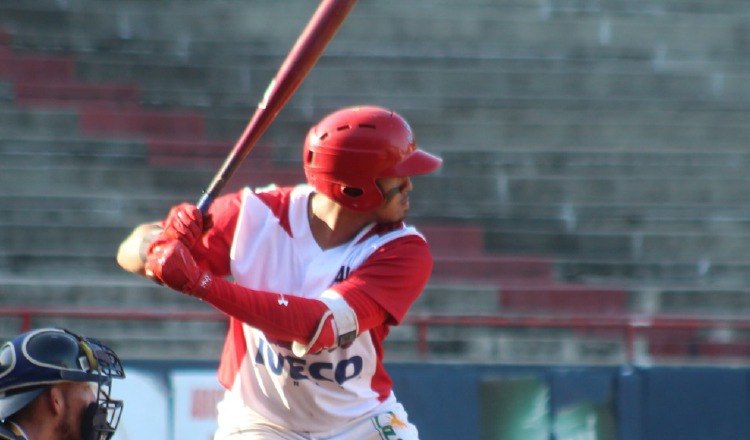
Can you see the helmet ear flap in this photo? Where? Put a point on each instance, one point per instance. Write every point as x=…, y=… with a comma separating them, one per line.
x=351, y=191
x=360, y=199
x=350, y=196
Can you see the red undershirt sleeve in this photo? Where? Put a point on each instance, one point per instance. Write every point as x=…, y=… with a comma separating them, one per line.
x=281, y=317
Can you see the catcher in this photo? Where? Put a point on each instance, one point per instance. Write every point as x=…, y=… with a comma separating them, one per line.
x=55, y=384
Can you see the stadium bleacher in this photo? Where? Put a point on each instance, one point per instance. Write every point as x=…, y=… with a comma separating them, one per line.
x=595, y=154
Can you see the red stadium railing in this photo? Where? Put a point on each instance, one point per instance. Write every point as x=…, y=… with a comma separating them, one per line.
x=630, y=327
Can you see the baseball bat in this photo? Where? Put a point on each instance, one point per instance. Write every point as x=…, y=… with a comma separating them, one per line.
x=318, y=32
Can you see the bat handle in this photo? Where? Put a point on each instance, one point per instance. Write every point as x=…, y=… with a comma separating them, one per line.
x=205, y=202
x=217, y=184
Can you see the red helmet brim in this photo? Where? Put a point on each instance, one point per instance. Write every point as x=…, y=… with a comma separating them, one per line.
x=417, y=163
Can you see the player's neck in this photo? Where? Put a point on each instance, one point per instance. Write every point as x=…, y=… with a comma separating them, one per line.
x=331, y=224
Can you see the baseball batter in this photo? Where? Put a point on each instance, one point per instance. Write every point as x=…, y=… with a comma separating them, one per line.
x=319, y=274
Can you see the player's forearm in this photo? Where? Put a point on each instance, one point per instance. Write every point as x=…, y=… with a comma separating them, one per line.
x=287, y=318
x=130, y=254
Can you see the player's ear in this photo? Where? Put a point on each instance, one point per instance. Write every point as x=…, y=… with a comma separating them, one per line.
x=55, y=399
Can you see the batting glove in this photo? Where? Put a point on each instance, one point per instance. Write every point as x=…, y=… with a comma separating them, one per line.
x=169, y=262
x=187, y=224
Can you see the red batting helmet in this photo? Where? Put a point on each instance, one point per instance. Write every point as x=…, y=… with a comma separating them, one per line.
x=347, y=151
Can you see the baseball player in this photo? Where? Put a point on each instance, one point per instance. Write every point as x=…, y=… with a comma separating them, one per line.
x=320, y=273
x=55, y=385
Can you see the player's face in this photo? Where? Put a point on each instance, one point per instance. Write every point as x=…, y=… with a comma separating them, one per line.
x=395, y=199
x=77, y=397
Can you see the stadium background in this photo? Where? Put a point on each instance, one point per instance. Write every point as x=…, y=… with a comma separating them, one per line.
x=590, y=225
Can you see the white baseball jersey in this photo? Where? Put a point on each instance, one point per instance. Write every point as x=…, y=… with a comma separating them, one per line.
x=272, y=249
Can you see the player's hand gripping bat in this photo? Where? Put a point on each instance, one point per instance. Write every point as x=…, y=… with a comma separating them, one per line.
x=304, y=54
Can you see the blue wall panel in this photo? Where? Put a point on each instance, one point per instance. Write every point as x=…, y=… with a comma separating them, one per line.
x=659, y=403
x=696, y=404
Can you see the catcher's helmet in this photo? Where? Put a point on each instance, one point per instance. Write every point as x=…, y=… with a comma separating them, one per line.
x=348, y=150
x=33, y=361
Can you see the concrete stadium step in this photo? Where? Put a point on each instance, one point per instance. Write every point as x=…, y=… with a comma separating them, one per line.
x=511, y=349
x=97, y=241
x=649, y=6
x=104, y=121
x=705, y=301
x=560, y=128
x=544, y=127
x=705, y=86
x=571, y=345
x=103, y=180
x=681, y=190
x=215, y=79
x=558, y=346
x=77, y=146
x=457, y=298
x=599, y=162
x=567, y=345
x=528, y=298
x=38, y=68
x=454, y=239
x=569, y=218
x=491, y=268
x=44, y=122
x=466, y=130
x=696, y=270
x=239, y=79
x=539, y=27
x=601, y=82
x=585, y=232
x=29, y=264
x=117, y=291
x=75, y=94
x=459, y=253
x=574, y=199
x=56, y=239
x=172, y=182
x=82, y=210
x=97, y=120
x=555, y=298
x=584, y=128
x=622, y=244
x=635, y=229
x=23, y=151
x=7, y=93
x=149, y=339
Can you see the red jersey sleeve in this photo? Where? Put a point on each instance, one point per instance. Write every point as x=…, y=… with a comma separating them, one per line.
x=212, y=252
x=393, y=276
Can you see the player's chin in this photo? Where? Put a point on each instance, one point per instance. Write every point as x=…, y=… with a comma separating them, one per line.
x=402, y=215
x=392, y=216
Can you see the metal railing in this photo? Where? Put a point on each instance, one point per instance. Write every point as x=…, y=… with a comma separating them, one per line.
x=629, y=327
